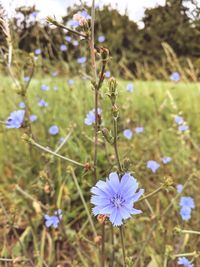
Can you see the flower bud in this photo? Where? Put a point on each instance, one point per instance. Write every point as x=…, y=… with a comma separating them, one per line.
x=112, y=85
x=104, y=53
x=107, y=135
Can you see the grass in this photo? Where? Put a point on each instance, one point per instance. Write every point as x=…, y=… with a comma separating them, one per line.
x=32, y=183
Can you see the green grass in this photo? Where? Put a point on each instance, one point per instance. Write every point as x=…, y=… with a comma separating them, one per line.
x=152, y=105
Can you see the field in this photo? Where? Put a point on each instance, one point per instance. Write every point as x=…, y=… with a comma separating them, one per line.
x=34, y=183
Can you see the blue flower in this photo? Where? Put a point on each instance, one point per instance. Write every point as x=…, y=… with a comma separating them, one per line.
x=187, y=202
x=185, y=213
x=53, y=220
x=130, y=87
x=26, y=78
x=15, y=119
x=85, y=14
x=63, y=47
x=81, y=60
x=70, y=82
x=38, y=51
x=42, y=103
x=107, y=74
x=139, y=130
x=179, y=120
x=101, y=39
x=33, y=118
x=22, y=105
x=68, y=38
x=73, y=23
x=175, y=76
x=44, y=87
x=90, y=117
x=185, y=262
x=54, y=130
x=61, y=140
x=75, y=43
x=153, y=165
x=179, y=188
x=128, y=134
x=115, y=198
x=166, y=160
x=183, y=128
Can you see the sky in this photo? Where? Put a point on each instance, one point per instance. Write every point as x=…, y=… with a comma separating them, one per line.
x=135, y=8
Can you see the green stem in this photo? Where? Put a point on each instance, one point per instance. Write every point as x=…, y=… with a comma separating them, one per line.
x=115, y=144
x=152, y=193
x=113, y=248
x=103, y=246
x=122, y=244
x=190, y=232
x=184, y=254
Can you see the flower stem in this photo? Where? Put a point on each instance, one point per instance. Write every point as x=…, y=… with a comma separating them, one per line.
x=115, y=144
x=122, y=244
x=113, y=248
x=152, y=193
x=190, y=232
x=103, y=246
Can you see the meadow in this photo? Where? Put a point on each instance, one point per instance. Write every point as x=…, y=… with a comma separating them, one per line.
x=34, y=183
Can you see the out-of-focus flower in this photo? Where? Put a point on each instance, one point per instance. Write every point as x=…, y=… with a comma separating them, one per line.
x=101, y=39
x=55, y=88
x=175, y=76
x=90, y=117
x=130, y=87
x=63, y=47
x=128, y=134
x=38, y=51
x=107, y=74
x=81, y=60
x=179, y=188
x=81, y=17
x=179, y=120
x=26, y=78
x=115, y=198
x=187, y=202
x=166, y=160
x=54, y=130
x=33, y=118
x=22, y=105
x=139, y=130
x=183, y=128
x=54, y=74
x=75, y=43
x=42, y=103
x=15, y=119
x=68, y=38
x=185, y=262
x=185, y=213
x=153, y=165
x=70, y=82
x=44, y=87
x=53, y=220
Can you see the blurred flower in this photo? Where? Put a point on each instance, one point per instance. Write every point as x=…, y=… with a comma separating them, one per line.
x=33, y=118
x=70, y=82
x=61, y=140
x=54, y=74
x=187, y=202
x=90, y=117
x=179, y=188
x=68, y=38
x=38, y=51
x=34, y=14
x=22, y=105
x=139, y=130
x=166, y=160
x=107, y=74
x=115, y=198
x=183, y=128
x=130, y=87
x=42, y=103
x=63, y=47
x=153, y=165
x=128, y=134
x=75, y=43
x=53, y=220
x=81, y=60
x=175, y=76
x=185, y=262
x=44, y=87
x=101, y=39
x=15, y=119
x=73, y=23
x=81, y=17
x=54, y=130
x=179, y=120
x=26, y=78
x=185, y=213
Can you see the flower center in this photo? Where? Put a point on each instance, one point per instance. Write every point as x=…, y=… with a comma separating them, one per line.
x=117, y=201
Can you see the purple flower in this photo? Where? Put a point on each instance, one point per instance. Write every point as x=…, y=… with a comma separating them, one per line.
x=107, y=74
x=22, y=105
x=130, y=87
x=139, y=130
x=128, y=134
x=75, y=43
x=84, y=14
x=54, y=130
x=185, y=213
x=68, y=38
x=153, y=165
x=63, y=47
x=115, y=198
x=179, y=120
x=26, y=78
x=33, y=118
x=53, y=220
x=166, y=160
x=73, y=23
x=42, y=103
x=38, y=51
x=187, y=202
x=101, y=39
x=183, y=128
x=175, y=76
x=81, y=60
x=70, y=82
x=15, y=119
x=179, y=188
x=44, y=87
x=185, y=262
x=34, y=14
x=90, y=117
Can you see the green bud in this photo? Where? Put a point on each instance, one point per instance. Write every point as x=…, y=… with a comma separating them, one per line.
x=126, y=164
x=112, y=85
x=107, y=135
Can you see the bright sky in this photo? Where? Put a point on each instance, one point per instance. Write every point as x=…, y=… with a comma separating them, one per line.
x=135, y=8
